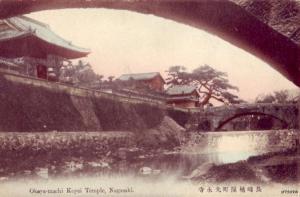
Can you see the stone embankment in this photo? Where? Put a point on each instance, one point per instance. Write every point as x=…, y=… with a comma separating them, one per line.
x=280, y=167
x=274, y=156
x=34, y=105
x=73, y=153
x=51, y=125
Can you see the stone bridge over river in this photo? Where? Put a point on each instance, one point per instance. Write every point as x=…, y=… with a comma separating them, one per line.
x=284, y=116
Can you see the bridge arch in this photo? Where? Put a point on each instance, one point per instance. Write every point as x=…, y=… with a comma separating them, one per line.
x=222, y=18
x=221, y=124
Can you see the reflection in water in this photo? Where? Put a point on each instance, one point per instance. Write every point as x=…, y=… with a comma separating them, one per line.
x=234, y=148
x=236, y=143
x=215, y=148
x=229, y=157
x=207, y=149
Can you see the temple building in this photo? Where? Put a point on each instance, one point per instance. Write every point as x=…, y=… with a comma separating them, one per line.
x=185, y=96
x=153, y=81
x=30, y=47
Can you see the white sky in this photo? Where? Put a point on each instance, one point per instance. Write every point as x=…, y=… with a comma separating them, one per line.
x=123, y=41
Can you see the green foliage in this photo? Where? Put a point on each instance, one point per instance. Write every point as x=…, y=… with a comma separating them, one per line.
x=210, y=83
x=282, y=96
x=80, y=74
x=176, y=75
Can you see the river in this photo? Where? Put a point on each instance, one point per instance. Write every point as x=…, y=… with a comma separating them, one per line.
x=220, y=148
x=156, y=172
x=213, y=148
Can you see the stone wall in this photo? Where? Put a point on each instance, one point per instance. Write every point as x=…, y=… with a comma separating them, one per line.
x=33, y=105
x=27, y=108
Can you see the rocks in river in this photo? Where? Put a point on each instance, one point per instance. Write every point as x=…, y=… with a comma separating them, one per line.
x=133, y=150
x=148, y=171
x=142, y=157
x=156, y=172
x=262, y=174
x=73, y=166
x=239, y=171
x=42, y=172
x=147, y=155
x=145, y=171
x=122, y=153
x=127, y=153
x=27, y=172
x=200, y=171
x=100, y=164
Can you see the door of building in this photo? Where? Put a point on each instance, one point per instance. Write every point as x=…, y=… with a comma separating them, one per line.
x=41, y=71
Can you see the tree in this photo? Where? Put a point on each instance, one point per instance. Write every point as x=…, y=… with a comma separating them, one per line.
x=81, y=74
x=210, y=83
x=282, y=96
x=269, y=98
x=110, y=78
x=176, y=75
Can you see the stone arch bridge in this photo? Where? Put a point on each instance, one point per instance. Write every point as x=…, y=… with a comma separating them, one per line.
x=268, y=29
x=215, y=118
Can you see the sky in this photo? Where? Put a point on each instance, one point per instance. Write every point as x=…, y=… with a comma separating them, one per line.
x=128, y=42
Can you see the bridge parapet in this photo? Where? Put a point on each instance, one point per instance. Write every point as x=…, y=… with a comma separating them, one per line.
x=214, y=118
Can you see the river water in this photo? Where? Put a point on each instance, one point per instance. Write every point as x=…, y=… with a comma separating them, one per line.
x=212, y=148
x=156, y=173
x=221, y=148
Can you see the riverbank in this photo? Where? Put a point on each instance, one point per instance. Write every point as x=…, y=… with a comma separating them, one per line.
x=84, y=153
x=279, y=167
x=152, y=154
x=248, y=156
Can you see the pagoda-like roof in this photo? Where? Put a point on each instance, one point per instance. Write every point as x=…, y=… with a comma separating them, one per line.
x=23, y=36
x=140, y=76
x=180, y=90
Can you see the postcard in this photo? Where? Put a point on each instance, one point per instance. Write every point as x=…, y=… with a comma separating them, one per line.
x=149, y=98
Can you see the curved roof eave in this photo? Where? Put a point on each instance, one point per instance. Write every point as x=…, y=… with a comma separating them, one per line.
x=81, y=52
x=31, y=27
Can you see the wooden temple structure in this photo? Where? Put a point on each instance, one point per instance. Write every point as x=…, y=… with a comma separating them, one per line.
x=30, y=47
x=153, y=80
x=185, y=96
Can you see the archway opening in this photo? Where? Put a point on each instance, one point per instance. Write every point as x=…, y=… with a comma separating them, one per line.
x=252, y=121
x=223, y=18
x=146, y=43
